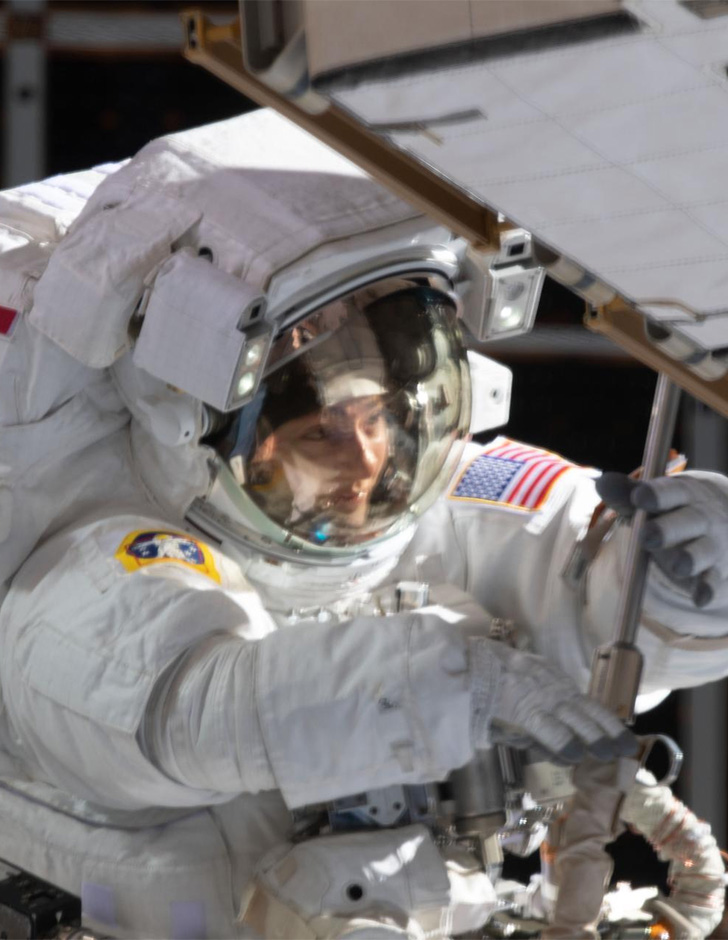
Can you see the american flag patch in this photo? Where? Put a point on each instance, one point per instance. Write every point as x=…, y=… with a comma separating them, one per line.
x=510, y=474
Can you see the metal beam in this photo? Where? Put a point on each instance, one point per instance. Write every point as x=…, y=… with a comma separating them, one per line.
x=220, y=52
x=625, y=325
x=24, y=93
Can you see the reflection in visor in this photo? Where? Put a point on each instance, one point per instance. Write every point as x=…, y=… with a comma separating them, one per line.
x=357, y=415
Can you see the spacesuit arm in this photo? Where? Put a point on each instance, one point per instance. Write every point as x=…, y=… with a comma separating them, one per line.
x=318, y=711
x=134, y=690
x=144, y=684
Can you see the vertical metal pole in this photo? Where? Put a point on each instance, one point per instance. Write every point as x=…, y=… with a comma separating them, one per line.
x=654, y=461
x=24, y=137
x=617, y=669
x=703, y=711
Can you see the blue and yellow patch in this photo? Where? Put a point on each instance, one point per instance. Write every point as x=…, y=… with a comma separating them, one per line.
x=143, y=547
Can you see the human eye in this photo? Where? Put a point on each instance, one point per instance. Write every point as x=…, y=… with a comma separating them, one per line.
x=319, y=433
x=376, y=418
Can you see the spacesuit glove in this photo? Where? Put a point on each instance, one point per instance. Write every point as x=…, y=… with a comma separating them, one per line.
x=520, y=699
x=687, y=532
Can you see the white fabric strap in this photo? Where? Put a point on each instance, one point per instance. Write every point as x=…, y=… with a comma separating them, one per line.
x=684, y=641
x=486, y=675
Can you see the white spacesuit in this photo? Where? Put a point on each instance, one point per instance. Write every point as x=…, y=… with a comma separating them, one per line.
x=234, y=415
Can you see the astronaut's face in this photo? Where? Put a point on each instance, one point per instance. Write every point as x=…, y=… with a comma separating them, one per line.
x=358, y=422
x=330, y=460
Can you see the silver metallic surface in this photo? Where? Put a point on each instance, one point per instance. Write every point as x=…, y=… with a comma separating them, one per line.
x=479, y=795
x=657, y=448
x=616, y=669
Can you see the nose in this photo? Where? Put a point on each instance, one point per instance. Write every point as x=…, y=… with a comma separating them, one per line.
x=359, y=454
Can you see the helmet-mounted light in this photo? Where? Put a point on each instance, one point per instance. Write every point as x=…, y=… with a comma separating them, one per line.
x=203, y=331
x=504, y=290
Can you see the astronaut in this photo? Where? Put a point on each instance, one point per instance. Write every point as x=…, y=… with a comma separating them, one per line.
x=238, y=426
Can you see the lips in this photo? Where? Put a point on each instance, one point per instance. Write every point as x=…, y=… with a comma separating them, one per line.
x=346, y=499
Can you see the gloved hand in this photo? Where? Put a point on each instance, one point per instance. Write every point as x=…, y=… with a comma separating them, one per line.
x=687, y=534
x=522, y=700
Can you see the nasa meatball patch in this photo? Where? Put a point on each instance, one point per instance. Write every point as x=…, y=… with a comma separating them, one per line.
x=510, y=475
x=142, y=548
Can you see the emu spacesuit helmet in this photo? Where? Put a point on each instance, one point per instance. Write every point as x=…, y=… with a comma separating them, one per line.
x=357, y=424
x=282, y=330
